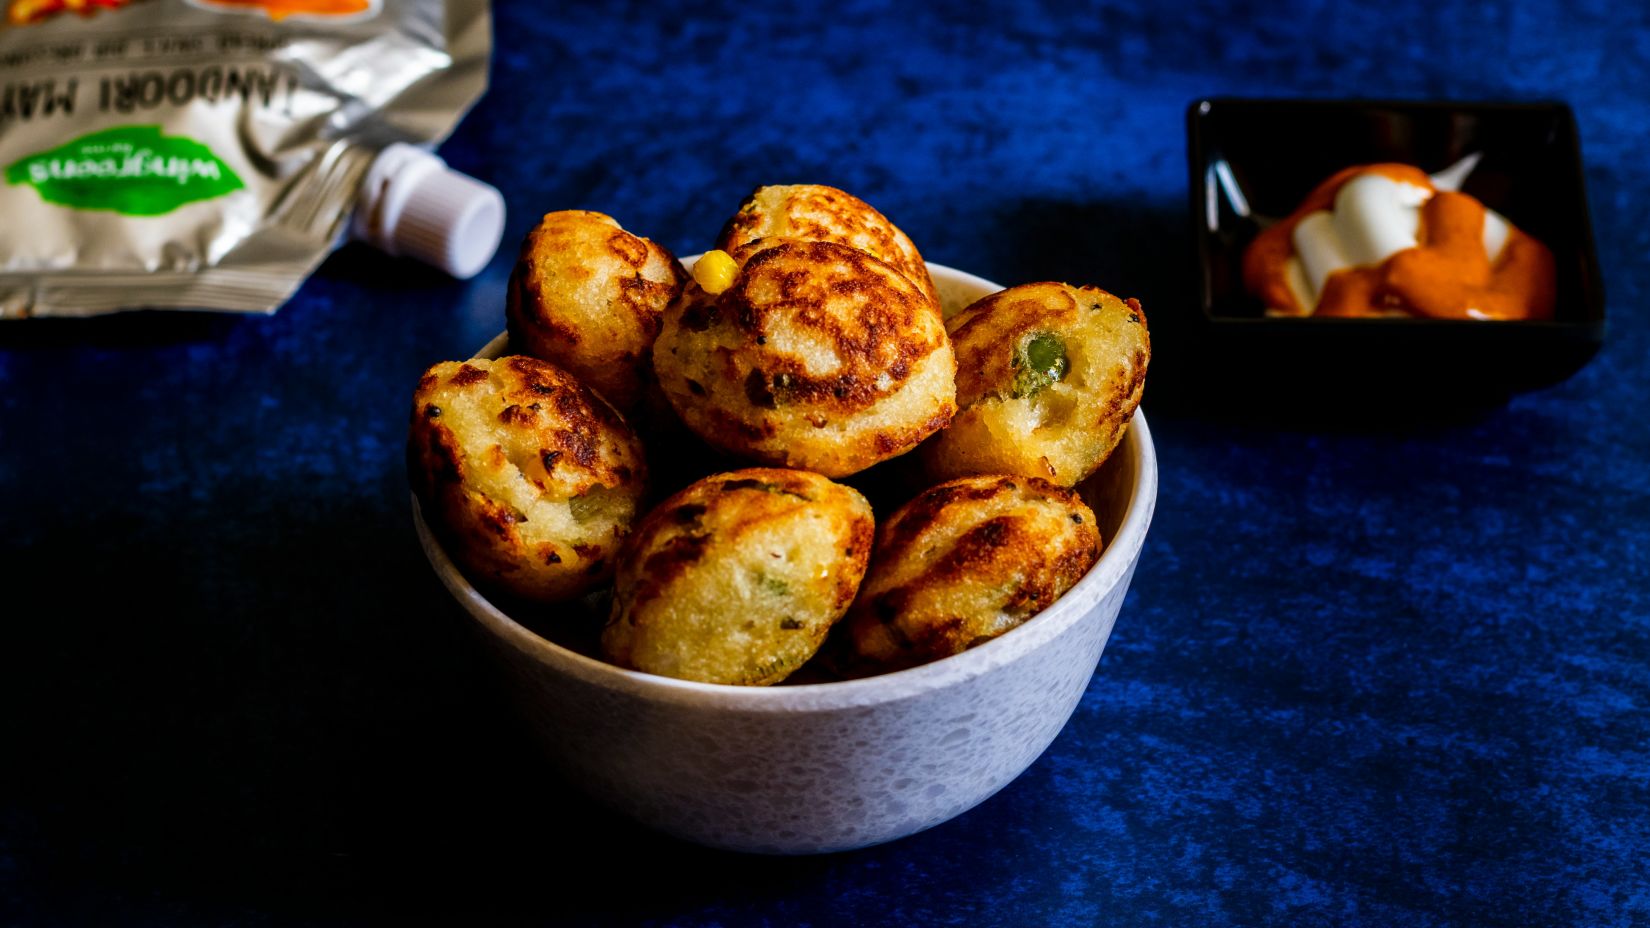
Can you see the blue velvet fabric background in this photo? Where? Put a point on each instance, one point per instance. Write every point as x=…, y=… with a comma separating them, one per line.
x=1365, y=676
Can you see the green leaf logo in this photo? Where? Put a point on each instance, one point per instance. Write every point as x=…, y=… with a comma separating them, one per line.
x=129, y=169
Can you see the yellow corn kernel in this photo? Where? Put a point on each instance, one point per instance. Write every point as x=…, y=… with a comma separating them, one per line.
x=715, y=271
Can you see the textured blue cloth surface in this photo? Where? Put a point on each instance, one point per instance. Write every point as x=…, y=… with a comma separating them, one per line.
x=1377, y=676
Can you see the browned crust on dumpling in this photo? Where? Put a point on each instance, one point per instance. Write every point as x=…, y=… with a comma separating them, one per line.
x=1065, y=432
x=814, y=212
x=738, y=577
x=588, y=296
x=967, y=561
x=529, y=478
x=819, y=356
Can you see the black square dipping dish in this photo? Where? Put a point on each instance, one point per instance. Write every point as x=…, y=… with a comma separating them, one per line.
x=1255, y=161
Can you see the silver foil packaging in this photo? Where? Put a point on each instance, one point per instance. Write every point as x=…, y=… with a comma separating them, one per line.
x=210, y=153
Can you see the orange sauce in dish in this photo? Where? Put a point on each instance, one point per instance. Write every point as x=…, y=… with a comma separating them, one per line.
x=1447, y=275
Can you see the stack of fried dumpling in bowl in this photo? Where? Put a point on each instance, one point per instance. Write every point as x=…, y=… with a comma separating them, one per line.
x=694, y=451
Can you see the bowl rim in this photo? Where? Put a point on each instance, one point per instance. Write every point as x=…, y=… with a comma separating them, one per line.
x=1112, y=568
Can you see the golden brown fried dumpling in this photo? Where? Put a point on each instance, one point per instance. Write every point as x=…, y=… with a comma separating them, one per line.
x=816, y=213
x=965, y=562
x=588, y=296
x=1048, y=376
x=737, y=578
x=817, y=356
x=530, y=479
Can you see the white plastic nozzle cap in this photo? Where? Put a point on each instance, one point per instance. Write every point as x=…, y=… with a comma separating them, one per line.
x=413, y=205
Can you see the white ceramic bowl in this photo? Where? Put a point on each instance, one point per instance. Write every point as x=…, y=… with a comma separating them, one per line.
x=830, y=766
